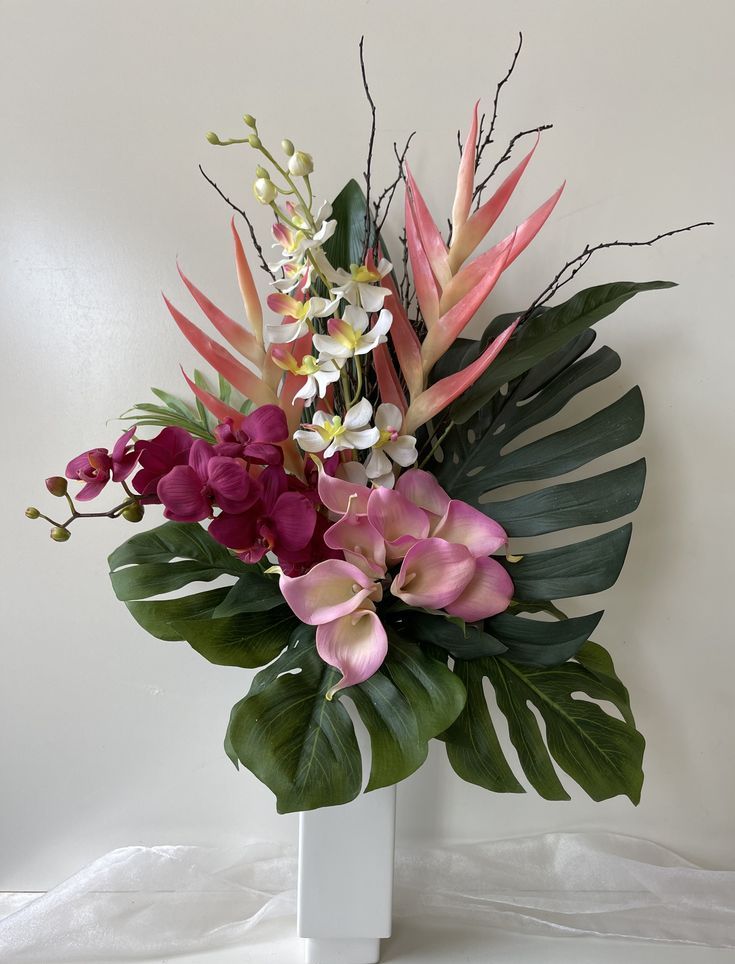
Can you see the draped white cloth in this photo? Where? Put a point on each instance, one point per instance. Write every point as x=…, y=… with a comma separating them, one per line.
x=146, y=902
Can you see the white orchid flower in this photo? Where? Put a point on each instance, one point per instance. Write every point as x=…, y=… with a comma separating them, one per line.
x=358, y=285
x=294, y=274
x=295, y=242
x=331, y=434
x=350, y=335
x=391, y=445
x=301, y=311
x=318, y=372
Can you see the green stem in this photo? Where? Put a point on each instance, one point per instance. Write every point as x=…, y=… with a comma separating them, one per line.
x=438, y=442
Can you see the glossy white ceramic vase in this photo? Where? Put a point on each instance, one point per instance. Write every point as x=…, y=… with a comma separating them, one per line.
x=346, y=879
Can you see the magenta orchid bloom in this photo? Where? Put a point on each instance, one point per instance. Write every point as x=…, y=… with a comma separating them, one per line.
x=157, y=456
x=279, y=520
x=97, y=466
x=189, y=492
x=256, y=438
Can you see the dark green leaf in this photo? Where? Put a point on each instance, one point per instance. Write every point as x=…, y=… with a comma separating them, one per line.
x=291, y=737
x=156, y=617
x=247, y=640
x=452, y=635
x=598, y=661
x=253, y=592
x=574, y=570
x=175, y=540
x=600, y=752
x=347, y=244
x=410, y=700
x=544, y=642
x=598, y=499
x=546, y=333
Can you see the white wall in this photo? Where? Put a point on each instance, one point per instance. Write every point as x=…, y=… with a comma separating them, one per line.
x=110, y=737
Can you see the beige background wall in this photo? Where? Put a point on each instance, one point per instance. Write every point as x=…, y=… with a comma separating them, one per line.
x=111, y=738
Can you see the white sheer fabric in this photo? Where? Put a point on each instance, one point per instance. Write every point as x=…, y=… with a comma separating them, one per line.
x=147, y=902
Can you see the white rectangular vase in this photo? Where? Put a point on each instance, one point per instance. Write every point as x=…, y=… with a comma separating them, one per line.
x=346, y=879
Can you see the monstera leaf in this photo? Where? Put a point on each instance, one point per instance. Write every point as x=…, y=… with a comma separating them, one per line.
x=600, y=751
x=246, y=624
x=303, y=746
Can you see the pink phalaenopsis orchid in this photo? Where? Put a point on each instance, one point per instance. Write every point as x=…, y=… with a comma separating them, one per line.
x=97, y=467
x=190, y=492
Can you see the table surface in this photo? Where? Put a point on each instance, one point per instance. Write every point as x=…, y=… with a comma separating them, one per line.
x=423, y=942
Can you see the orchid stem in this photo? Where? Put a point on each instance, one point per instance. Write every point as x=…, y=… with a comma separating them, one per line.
x=438, y=442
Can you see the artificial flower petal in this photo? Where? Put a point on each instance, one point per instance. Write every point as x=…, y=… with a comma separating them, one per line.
x=356, y=645
x=331, y=589
x=469, y=527
x=488, y=593
x=433, y=573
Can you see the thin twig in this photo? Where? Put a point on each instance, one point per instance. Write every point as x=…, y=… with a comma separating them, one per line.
x=253, y=236
x=379, y=213
x=481, y=185
x=371, y=142
x=487, y=139
x=576, y=264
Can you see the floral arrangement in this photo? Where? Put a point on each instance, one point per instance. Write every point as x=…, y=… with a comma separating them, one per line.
x=342, y=473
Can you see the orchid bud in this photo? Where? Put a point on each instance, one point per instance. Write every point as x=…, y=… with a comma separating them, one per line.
x=265, y=190
x=255, y=141
x=213, y=138
x=133, y=513
x=56, y=485
x=32, y=512
x=249, y=120
x=287, y=147
x=261, y=172
x=60, y=534
x=301, y=164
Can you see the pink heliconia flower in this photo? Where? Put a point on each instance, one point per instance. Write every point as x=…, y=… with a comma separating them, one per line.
x=255, y=439
x=157, y=456
x=488, y=593
x=433, y=574
x=190, y=491
x=97, y=466
x=278, y=520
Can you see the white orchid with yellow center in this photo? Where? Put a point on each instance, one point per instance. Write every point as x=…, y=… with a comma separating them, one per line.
x=318, y=372
x=331, y=433
x=359, y=285
x=349, y=336
x=302, y=234
x=301, y=311
x=390, y=447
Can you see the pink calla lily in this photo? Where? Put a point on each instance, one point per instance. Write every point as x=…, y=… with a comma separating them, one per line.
x=360, y=543
x=331, y=589
x=423, y=490
x=356, y=644
x=340, y=496
x=433, y=574
x=488, y=593
x=399, y=522
x=463, y=524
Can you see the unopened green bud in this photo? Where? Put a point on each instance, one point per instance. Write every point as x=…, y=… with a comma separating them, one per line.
x=60, y=534
x=287, y=147
x=56, y=485
x=261, y=172
x=32, y=512
x=133, y=513
x=301, y=164
x=255, y=141
x=212, y=138
x=265, y=190
x=249, y=120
